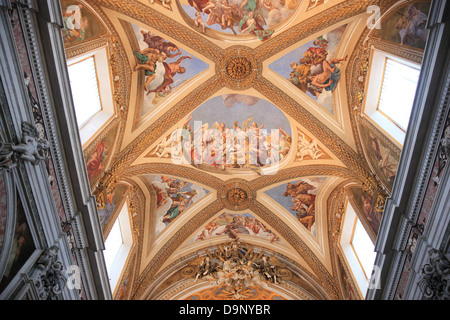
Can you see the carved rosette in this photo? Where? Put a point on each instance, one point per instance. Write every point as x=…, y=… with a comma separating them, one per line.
x=238, y=68
x=236, y=195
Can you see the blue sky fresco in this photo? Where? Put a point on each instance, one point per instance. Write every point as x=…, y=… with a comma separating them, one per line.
x=193, y=67
x=231, y=108
x=276, y=194
x=282, y=65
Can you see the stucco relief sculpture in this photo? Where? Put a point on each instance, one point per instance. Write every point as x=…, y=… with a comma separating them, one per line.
x=48, y=275
x=435, y=278
x=31, y=147
x=236, y=266
x=307, y=148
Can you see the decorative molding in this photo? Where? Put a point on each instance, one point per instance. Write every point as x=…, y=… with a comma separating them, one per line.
x=417, y=163
x=395, y=49
x=238, y=68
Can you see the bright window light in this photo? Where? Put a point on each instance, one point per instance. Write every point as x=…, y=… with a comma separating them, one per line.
x=364, y=248
x=85, y=92
x=398, y=92
x=113, y=244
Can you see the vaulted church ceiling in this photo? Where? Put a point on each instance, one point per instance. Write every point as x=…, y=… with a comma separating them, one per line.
x=237, y=122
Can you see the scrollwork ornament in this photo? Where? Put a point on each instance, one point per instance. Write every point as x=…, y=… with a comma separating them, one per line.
x=435, y=277
x=48, y=275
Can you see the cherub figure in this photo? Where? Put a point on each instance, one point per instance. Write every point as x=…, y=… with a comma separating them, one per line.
x=199, y=21
x=32, y=147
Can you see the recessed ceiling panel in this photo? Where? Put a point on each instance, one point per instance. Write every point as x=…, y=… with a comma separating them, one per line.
x=173, y=198
x=229, y=134
x=80, y=24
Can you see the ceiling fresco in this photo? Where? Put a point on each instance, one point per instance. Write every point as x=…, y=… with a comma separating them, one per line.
x=161, y=65
x=235, y=226
x=314, y=68
x=238, y=125
x=258, y=18
x=173, y=197
x=299, y=198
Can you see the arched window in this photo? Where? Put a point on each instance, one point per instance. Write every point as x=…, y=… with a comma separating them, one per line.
x=390, y=93
x=91, y=86
x=358, y=249
x=117, y=246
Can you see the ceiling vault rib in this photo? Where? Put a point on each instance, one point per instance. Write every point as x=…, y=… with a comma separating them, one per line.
x=174, y=170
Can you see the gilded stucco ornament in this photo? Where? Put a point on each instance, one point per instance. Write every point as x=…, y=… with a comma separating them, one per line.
x=106, y=184
x=236, y=194
x=238, y=67
x=236, y=266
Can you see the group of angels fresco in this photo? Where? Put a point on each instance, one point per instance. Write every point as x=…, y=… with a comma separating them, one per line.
x=240, y=16
x=235, y=225
x=230, y=132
